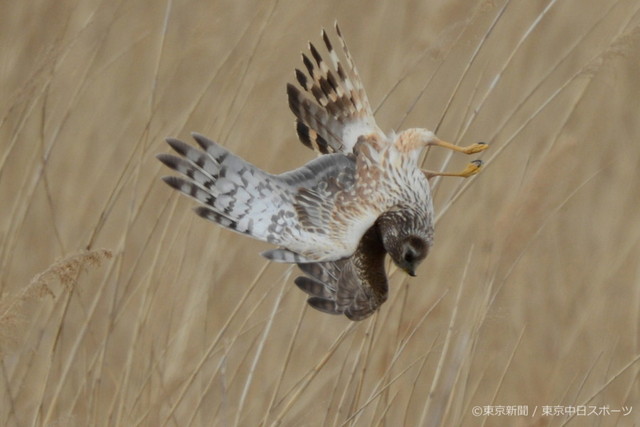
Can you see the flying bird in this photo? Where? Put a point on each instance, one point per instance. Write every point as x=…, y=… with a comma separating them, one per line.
x=317, y=212
x=341, y=114
x=333, y=214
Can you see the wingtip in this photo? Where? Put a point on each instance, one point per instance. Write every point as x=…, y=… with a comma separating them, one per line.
x=315, y=53
x=167, y=160
x=294, y=99
x=307, y=285
x=179, y=146
x=202, y=211
x=303, y=134
x=173, y=181
x=337, y=27
x=302, y=79
x=356, y=317
x=307, y=63
x=202, y=140
x=327, y=42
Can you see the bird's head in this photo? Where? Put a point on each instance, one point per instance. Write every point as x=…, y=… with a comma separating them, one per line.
x=407, y=237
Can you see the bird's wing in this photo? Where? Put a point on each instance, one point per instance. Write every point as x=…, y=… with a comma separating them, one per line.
x=340, y=290
x=354, y=286
x=333, y=169
x=274, y=208
x=341, y=112
x=323, y=194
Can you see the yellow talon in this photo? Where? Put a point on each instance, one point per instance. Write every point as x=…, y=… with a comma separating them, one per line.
x=476, y=148
x=470, y=149
x=471, y=169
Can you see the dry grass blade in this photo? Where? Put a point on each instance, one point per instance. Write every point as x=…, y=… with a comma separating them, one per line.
x=285, y=364
x=363, y=361
x=64, y=272
x=507, y=366
x=400, y=351
x=261, y=344
x=617, y=375
x=187, y=326
x=383, y=388
x=214, y=344
x=71, y=270
x=442, y=380
x=309, y=376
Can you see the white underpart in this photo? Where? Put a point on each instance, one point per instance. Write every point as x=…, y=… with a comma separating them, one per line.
x=353, y=131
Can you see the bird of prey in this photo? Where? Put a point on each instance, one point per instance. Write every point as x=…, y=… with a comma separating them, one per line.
x=348, y=200
x=341, y=114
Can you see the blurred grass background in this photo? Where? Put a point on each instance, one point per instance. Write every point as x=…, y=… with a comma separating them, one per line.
x=530, y=297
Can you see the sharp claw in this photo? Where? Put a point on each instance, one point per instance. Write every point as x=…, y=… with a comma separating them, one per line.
x=472, y=168
x=476, y=148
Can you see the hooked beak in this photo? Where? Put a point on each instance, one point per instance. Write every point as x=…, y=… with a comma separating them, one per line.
x=410, y=271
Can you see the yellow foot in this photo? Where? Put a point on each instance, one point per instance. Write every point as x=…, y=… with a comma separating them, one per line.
x=469, y=149
x=471, y=169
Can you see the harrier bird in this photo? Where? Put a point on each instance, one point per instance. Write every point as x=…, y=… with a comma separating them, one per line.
x=341, y=114
x=365, y=194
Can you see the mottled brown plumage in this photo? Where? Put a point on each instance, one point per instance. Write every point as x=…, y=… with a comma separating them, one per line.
x=341, y=120
x=367, y=182
x=354, y=286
